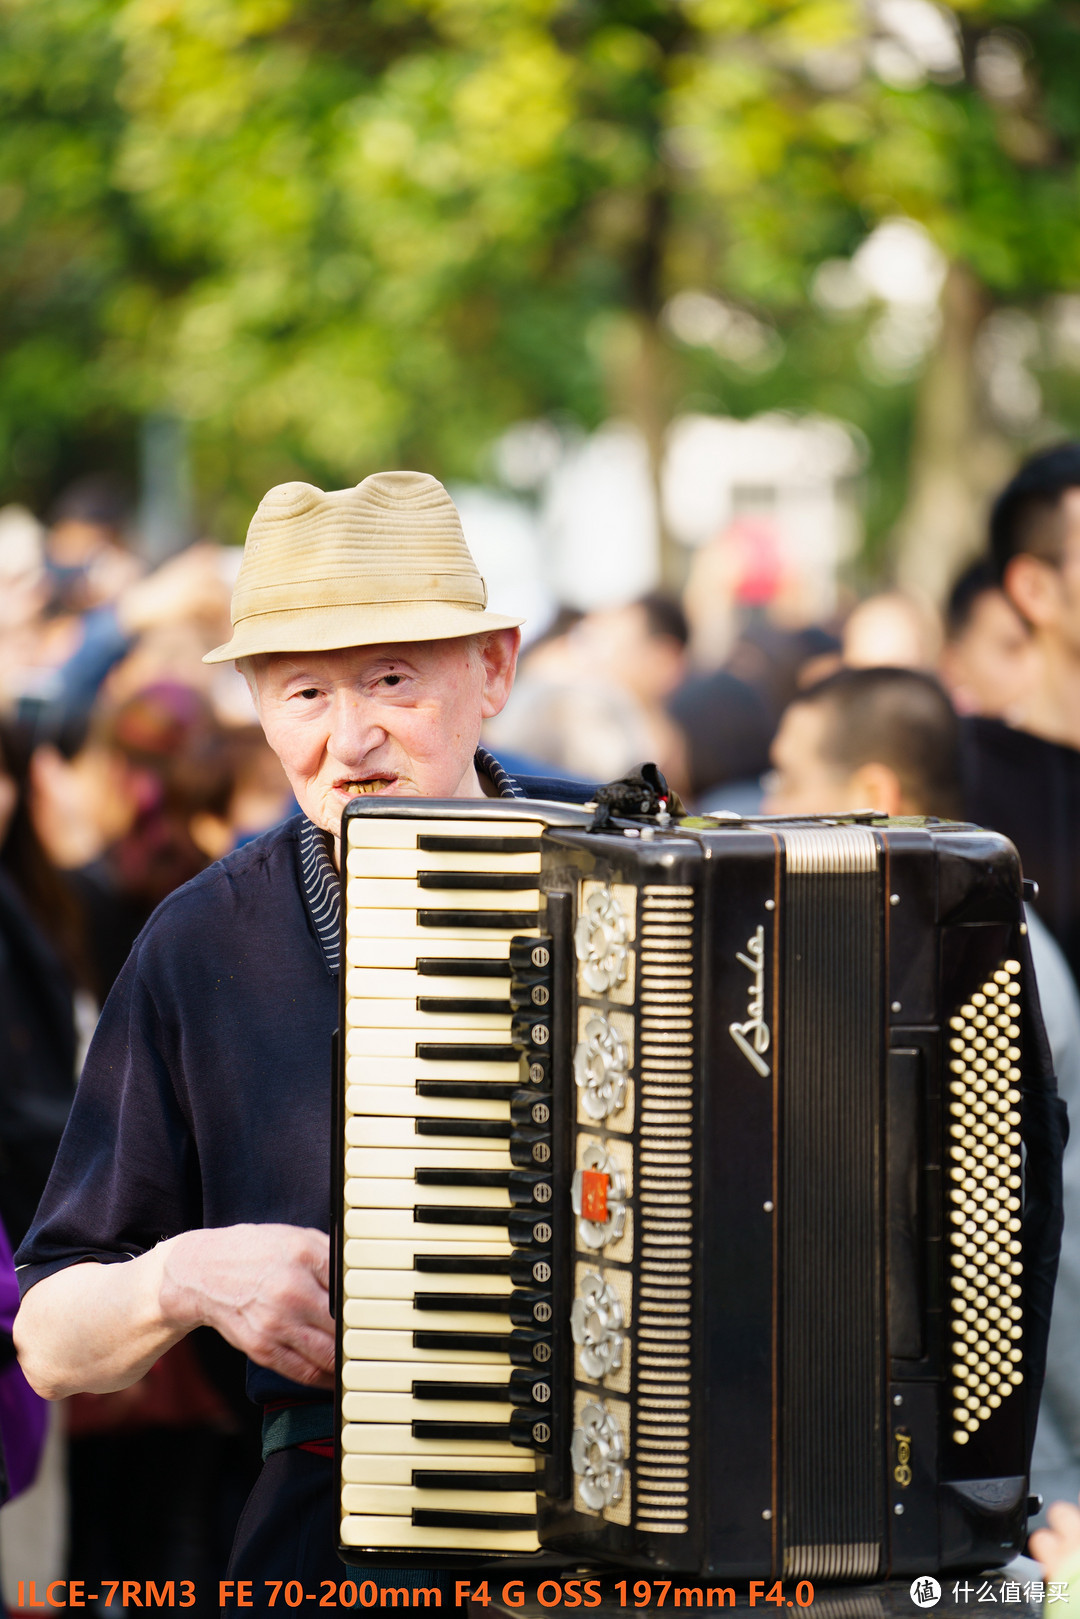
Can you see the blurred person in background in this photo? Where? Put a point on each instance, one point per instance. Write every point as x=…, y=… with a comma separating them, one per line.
x=750, y=650
x=641, y=649
x=43, y=964
x=45, y=1013
x=259, y=795
x=894, y=630
x=590, y=700
x=1023, y=777
x=882, y=739
x=157, y=628
x=734, y=581
x=150, y=767
x=86, y=561
x=727, y=718
x=889, y=740
x=989, y=663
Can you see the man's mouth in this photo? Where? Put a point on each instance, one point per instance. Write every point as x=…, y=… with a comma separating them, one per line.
x=373, y=784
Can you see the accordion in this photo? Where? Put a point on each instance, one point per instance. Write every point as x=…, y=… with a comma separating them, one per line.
x=680, y=1197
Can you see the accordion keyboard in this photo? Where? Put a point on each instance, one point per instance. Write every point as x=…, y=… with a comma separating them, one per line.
x=444, y=1259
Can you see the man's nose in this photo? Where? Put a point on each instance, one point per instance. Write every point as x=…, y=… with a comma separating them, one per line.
x=354, y=728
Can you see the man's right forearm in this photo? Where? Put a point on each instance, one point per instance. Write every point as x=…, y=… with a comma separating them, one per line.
x=93, y=1328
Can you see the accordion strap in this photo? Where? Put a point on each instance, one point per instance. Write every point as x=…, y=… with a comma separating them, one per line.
x=1046, y=1131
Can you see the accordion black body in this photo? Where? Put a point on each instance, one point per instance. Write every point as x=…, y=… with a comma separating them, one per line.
x=680, y=1210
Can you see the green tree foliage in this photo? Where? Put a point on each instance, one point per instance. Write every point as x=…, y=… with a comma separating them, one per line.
x=334, y=236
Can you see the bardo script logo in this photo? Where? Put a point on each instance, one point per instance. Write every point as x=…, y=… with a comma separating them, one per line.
x=752, y=1037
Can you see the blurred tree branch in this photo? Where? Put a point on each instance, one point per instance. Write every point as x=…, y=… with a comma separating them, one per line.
x=334, y=237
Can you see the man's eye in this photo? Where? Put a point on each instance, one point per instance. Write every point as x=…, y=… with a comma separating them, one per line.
x=392, y=680
x=309, y=692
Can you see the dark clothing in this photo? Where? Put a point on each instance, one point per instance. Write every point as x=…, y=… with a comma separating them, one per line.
x=205, y=1102
x=289, y=1531
x=206, y=1095
x=1029, y=789
x=37, y=1059
x=206, y=1098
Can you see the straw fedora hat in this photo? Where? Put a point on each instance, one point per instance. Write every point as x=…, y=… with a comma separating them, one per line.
x=384, y=561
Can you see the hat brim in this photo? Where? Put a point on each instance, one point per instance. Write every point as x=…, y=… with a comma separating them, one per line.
x=330, y=629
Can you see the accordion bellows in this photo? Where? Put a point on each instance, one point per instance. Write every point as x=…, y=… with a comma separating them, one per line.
x=680, y=1193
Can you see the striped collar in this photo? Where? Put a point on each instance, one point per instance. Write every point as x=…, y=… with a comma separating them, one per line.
x=322, y=890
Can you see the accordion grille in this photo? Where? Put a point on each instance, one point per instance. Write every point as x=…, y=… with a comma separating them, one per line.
x=831, y=1441
x=665, y=1211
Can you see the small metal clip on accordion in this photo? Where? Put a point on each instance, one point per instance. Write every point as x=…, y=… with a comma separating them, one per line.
x=678, y=1205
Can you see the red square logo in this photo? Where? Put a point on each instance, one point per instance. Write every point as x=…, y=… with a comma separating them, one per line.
x=594, y=1190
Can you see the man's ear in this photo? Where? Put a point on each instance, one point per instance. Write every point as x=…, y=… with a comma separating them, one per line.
x=498, y=652
x=246, y=667
x=876, y=786
x=1034, y=588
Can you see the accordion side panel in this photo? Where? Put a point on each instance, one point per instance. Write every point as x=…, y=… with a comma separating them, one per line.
x=830, y=1216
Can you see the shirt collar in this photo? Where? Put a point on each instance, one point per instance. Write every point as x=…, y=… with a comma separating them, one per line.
x=322, y=890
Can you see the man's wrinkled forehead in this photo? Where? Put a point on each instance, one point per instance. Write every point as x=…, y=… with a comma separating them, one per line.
x=264, y=669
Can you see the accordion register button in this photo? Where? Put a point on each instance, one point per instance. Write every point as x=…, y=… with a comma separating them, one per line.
x=529, y=1148
x=528, y=1189
x=530, y=995
x=530, y=1030
x=526, y=1107
x=529, y=956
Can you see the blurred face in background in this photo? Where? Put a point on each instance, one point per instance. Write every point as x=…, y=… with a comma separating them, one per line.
x=802, y=781
x=618, y=645
x=891, y=630
x=1046, y=593
x=805, y=781
x=990, y=666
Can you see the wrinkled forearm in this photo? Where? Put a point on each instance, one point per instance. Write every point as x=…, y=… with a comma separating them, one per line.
x=94, y=1328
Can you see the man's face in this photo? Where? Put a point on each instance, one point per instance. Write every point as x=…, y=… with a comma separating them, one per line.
x=401, y=720
x=802, y=781
x=992, y=665
x=1047, y=594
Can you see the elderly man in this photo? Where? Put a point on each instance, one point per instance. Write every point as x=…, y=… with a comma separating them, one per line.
x=192, y=1185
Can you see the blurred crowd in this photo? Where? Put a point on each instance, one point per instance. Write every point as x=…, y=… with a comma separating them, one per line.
x=127, y=765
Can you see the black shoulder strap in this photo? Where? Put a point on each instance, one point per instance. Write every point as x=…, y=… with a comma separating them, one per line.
x=1046, y=1130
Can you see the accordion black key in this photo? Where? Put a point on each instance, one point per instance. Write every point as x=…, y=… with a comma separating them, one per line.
x=680, y=1195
